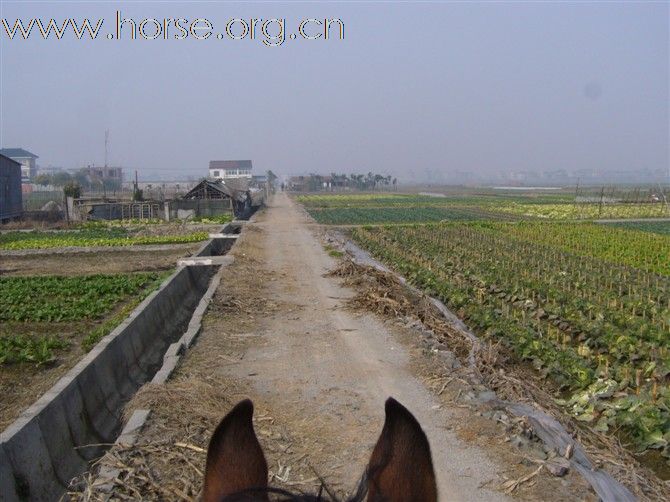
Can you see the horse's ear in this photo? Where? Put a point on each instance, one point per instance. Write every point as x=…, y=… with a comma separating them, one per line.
x=401, y=468
x=235, y=460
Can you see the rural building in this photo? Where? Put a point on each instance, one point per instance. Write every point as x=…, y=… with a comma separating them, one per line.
x=25, y=158
x=235, y=195
x=104, y=174
x=298, y=183
x=310, y=183
x=11, y=199
x=229, y=169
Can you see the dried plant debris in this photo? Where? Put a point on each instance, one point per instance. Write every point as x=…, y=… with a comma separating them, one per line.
x=167, y=463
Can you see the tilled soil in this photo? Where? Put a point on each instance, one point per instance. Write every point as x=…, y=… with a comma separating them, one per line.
x=99, y=261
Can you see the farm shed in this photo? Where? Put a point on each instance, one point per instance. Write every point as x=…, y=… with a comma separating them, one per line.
x=209, y=198
x=11, y=199
x=237, y=194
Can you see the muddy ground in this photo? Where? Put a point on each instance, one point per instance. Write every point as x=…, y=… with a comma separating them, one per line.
x=280, y=331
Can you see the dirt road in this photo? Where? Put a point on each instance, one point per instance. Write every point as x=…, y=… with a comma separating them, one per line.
x=330, y=362
x=279, y=331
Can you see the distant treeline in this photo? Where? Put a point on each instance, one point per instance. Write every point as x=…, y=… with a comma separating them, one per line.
x=82, y=177
x=334, y=181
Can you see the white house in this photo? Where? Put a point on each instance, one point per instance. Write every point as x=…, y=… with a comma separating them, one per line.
x=229, y=169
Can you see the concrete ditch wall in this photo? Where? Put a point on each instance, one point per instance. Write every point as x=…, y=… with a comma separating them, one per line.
x=72, y=424
x=217, y=247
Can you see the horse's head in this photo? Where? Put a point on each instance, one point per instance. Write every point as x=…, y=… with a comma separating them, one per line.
x=400, y=468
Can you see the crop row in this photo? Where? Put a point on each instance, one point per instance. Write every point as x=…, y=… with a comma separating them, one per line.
x=656, y=227
x=600, y=330
x=56, y=299
x=640, y=250
x=373, y=215
x=29, y=349
x=556, y=207
x=409, y=200
x=113, y=236
x=586, y=211
x=137, y=222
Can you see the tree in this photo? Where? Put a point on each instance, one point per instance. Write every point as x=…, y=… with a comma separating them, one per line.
x=61, y=178
x=82, y=178
x=72, y=189
x=42, y=179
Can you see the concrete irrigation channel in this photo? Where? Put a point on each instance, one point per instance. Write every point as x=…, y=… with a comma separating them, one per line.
x=73, y=423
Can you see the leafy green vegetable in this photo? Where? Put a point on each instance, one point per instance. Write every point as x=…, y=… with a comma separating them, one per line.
x=27, y=349
x=91, y=236
x=54, y=298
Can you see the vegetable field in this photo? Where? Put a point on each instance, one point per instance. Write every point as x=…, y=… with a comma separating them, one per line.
x=587, y=305
x=656, y=227
x=55, y=299
x=587, y=211
x=639, y=250
x=406, y=208
x=40, y=314
x=96, y=236
x=410, y=214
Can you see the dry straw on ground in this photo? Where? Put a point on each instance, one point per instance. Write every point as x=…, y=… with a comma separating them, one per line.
x=168, y=462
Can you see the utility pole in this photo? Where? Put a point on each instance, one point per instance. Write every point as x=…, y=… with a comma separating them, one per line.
x=106, y=145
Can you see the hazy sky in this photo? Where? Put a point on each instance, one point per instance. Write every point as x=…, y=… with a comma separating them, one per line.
x=445, y=86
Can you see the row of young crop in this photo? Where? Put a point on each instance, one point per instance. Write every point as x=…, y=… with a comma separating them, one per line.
x=417, y=200
x=97, y=236
x=655, y=227
x=33, y=306
x=410, y=214
x=55, y=298
x=587, y=211
x=554, y=207
x=640, y=250
x=600, y=330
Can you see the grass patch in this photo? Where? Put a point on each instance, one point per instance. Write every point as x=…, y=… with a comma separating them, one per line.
x=335, y=253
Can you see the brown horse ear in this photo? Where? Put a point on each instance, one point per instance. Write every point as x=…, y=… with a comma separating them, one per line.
x=235, y=460
x=401, y=468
